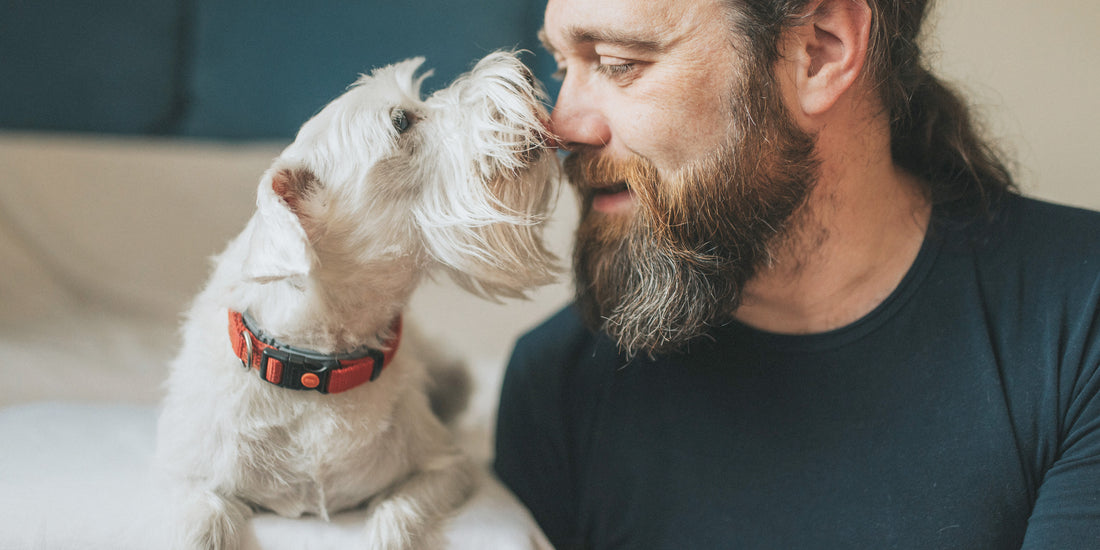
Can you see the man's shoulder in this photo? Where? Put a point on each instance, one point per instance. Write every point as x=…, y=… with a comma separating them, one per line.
x=1037, y=271
x=561, y=352
x=560, y=334
x=1040, y=224
x=1040, y=237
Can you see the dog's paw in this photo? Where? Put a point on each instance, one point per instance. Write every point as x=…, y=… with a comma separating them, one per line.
x=208, y=521
x=412, y=515
x=397, y=523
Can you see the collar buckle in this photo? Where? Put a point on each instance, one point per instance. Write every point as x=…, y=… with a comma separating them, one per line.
x=295, y=371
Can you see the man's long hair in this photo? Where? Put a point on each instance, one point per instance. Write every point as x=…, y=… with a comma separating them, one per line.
x=933, y=133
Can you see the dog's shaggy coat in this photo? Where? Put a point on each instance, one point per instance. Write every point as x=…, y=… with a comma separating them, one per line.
x=378, y=190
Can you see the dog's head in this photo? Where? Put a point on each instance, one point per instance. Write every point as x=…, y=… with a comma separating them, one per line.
x=383, y=182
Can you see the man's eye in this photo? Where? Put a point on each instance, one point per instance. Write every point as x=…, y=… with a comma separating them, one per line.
x=614, y=66
x=617, y=69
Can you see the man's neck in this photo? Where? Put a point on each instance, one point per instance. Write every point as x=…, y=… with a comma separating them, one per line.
x=853, y=244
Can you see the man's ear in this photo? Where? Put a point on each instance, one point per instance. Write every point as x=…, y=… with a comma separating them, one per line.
x=828, y=52
x=278, y=246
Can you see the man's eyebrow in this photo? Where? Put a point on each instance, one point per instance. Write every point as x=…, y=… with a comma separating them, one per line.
x=579, y=35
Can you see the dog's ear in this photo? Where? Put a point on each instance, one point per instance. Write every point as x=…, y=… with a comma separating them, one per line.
x=293, y=186
x=278, y=246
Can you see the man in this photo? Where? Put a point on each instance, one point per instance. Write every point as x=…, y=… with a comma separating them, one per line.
x=811, y=310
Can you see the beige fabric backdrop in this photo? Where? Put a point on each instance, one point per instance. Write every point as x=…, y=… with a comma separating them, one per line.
x=1032, y=69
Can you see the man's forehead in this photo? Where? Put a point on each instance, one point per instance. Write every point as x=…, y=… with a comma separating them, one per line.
x=644, y=39
x=650, y=25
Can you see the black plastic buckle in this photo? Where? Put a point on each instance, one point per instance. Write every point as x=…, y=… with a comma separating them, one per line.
x=379, y=359
x=295, y=366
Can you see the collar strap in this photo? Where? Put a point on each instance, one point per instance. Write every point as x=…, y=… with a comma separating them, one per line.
x=298, y=369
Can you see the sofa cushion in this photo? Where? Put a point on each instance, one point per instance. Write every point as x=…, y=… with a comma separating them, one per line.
x=80, y=479
x=262, y=67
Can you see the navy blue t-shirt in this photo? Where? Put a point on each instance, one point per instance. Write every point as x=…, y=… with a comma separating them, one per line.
x=962, y=413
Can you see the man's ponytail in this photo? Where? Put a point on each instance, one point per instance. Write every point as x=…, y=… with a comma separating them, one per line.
x=933, y=133
x=934, y=136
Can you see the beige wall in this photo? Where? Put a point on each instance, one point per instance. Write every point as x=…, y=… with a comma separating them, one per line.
x=1032, y=70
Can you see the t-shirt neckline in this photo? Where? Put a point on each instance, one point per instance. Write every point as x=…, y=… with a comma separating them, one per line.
x=883, y=312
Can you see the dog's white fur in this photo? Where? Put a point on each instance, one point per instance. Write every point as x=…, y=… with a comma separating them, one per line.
x=349, y=219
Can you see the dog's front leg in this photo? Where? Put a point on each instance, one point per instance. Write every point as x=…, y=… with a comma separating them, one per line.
x=207, y=520
x=411, y=514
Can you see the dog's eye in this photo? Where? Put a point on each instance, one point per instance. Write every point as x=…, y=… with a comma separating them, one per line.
x=400, y=120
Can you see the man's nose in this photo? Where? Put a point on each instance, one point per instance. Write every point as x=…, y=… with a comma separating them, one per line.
x=577, y=119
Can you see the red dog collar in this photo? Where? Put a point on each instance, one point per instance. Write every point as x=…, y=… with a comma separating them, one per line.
x=297, y=369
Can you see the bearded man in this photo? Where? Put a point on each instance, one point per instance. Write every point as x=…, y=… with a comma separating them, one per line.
x=812, y=311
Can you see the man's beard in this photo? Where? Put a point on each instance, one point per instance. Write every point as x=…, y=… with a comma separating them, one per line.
x=658, y=277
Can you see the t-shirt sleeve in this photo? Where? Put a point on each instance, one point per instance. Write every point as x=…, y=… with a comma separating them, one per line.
x=532, y=457
x=1067, y=506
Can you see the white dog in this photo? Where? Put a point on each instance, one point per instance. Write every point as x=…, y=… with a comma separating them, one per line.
x=378, y=190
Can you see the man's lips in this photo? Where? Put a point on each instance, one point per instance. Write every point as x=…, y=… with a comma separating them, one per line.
x=612, y=198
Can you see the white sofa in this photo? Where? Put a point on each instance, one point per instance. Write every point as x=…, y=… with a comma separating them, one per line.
x=103, y=241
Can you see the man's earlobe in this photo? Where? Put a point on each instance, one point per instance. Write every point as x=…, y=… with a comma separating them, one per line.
x=829, y=52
